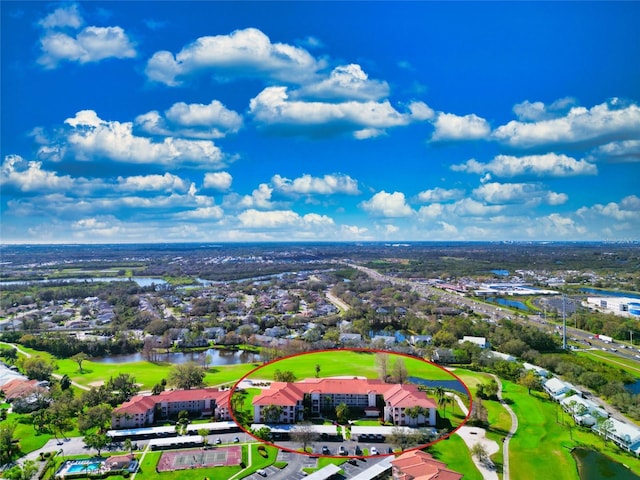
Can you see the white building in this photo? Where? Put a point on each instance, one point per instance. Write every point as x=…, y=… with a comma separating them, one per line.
x=557, y=388
x=623, y=306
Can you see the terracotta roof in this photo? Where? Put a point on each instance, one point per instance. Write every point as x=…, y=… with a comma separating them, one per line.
x=418, y=465
x=405, y=396
x=285, y=394
x=17, y=388
x=139, y=404
x=220, y=396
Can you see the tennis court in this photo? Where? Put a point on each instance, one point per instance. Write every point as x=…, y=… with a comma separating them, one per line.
x=199, y=458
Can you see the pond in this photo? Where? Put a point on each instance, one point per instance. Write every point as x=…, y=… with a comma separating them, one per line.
x=502, y=273
x=446, y=384
x=508, y=303
x=216, y=357
x=593, y=465
x=141, y=281
x=609, y=293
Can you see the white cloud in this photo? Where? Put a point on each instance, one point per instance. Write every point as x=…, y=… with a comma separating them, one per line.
x=439, y=194
x=218, y=180
x=28, y=176
x=274, y=109
x=308, y=185
x=259, y=198
x=204, y=213
x=90, y=138
x=507, y=193
x=453, y=127
x=536, y=111
x=247, y=52
x=193, y=120
x=612, y=121
x=628, y=210
x=623, y=151
x=91, y=44
x=281, y=218
x=432, y=211
x=555, y=226
x=473, y=208
x=389, y=205
x=345, y=82
x=421, y=111
x=151, y=183
x=548, y=165
x=63, y=17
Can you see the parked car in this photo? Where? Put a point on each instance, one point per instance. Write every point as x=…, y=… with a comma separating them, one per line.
x=325, y=450
x=342, y=450
x=236, y=440
x=374, y=451
x=261, y=472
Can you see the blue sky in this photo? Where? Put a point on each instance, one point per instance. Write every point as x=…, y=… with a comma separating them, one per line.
x=329, y=121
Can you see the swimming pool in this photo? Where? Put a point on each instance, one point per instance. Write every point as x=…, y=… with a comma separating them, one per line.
x=80, y=466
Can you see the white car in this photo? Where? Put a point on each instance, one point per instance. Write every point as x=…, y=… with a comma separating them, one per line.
x=374, y=451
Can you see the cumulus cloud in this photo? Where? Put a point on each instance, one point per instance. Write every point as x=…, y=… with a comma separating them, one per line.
x=628, y=210
x=611, y=121
x=91, y=44
x=63, y=17
x=204, y=213
x=345, y=82
x=220, y=181
x=548, y=165
x=389, y=205
x=281, y=218
x=536, y=111
x=468, y=207
x=28, y=176
x=439, y=194
x=259, y=198
x=506, y=193
x=453, y=127
x=193, y=120
x=308, y=185
x=153, y=183
x=246, y=53
x=274, y=110
x=89, y=138
x=624, y=151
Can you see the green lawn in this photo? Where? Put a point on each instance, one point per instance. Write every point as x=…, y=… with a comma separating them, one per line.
x=630, y=366
x=545, y=432
x=455, y=454
x=347, y=362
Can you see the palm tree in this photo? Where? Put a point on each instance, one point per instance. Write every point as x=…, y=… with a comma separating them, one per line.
x=442, y=402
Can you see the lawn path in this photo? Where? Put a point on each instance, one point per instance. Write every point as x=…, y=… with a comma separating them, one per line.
x=337, y=302
x=474, y=435
x=144, y=453
x=512, y=431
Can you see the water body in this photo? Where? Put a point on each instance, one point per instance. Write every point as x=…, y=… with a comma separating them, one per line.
x=502, y=273
x=448, y=384
x=217, y=357
x=609, y=293
x=508, y=303
x=593, y=465
x=141, y=281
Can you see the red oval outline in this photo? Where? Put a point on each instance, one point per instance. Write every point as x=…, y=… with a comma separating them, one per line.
x=366, y=350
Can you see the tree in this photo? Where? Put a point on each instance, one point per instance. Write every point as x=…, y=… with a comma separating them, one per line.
x=303, y=433
x=415, y=412
x=286, y=376
x=186, y=376
x=97, y=441
x=38, y=368
x=128, y=445
x=342, y=413
x=480, y=453
x=263, y=433
x=26, y=471
x=403, y=438
x=65, y=382
x=400, y=374
x=204, y=433
x=125, y=386
x=272, y=413
x=382, y=363
x=443, y=402
x=7, y=446
x=95, y=417
x=317, y=370
x=531, y=381
x=79, y=358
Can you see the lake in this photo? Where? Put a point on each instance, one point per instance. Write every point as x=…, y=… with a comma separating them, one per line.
x=141, y=281
x=447, y=384
x=508, y=303
x=593, y=465
x=609, y=293
x=217, y=357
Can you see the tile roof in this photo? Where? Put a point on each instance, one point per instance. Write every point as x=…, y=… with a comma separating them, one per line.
x=142, y=403
x=404, y=396
x=17, y=388
x=418, y=465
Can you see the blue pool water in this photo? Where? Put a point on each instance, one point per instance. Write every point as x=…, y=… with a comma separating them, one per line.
x=78, y=467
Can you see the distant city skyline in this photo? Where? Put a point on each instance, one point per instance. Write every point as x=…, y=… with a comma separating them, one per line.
x=136, y=122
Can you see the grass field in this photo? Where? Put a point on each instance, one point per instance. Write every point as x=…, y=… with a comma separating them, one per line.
x=630, y=366
x=347, y=362
x=455, y=454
